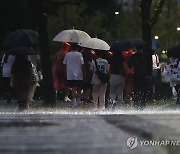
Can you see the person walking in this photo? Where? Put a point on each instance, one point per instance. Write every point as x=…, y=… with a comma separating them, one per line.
x=23, y=80
x=117, y=79
x=128, y=88
x=142, y=76
x=59, y=72
x=6, y=64
x=155, y=73
x=174, y=69
x=36, y=64
x=99, y=88
x=75, y=71
x=88, y=56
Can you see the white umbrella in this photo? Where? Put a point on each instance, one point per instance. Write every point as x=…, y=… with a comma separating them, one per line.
x=94, y=43
x=71, y=35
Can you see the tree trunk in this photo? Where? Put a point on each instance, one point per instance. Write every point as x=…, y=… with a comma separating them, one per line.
x=146, y=29
x=49, y=93
x=146, y=24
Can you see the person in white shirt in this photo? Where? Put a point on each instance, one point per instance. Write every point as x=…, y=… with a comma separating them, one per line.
x=6, y=64
x=99, y=88
x=155, y=69
x=75, y=69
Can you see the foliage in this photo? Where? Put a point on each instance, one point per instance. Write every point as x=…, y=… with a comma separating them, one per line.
x=166, y=27
x=97, y=19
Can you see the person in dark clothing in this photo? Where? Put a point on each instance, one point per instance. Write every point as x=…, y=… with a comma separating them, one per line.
x=23, y=80
x=142, y=76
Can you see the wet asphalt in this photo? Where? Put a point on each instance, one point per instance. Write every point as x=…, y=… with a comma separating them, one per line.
x=82, y=131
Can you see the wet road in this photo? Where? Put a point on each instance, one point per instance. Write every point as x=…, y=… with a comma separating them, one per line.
x=85, y=133
x=56, y=131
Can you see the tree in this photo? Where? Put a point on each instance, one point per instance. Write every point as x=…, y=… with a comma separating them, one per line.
x=147, y=21
x=166, y=27
x=40, y=22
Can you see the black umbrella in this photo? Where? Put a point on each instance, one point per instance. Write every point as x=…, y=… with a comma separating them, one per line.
x=127, y=44
x=21, y=38
x=23, y=51
x=174, y=51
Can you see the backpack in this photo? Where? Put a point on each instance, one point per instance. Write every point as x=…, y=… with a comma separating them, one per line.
x=104, y=77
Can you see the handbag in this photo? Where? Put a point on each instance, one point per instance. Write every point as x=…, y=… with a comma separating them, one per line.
x=104, y=77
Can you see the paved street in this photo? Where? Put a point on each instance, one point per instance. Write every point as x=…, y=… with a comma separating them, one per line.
x=77, y=131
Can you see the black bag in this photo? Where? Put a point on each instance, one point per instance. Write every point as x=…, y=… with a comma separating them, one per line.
x=104, y=77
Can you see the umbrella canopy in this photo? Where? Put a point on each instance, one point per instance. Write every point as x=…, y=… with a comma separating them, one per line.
x=23, y=51
x=127, y=44
x=155, y=45
x=71, y=35
x=94, y=43
x=174, y=51
x=21, y=38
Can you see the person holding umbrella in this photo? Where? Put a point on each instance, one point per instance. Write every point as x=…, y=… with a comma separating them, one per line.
x=23, y=75
x=99, y=87
x=75, y=71
x=88, y=55
x=59, y=71
x=99, y=66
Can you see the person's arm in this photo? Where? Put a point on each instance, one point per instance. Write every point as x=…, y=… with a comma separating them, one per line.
x=108, y=69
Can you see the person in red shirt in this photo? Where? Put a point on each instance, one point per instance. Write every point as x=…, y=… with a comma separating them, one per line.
x=59, y=71
x=128, y=88
x=88, y=55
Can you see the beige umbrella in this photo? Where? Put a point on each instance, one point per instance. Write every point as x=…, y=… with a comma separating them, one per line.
x=94, y=43
x=71, y=35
